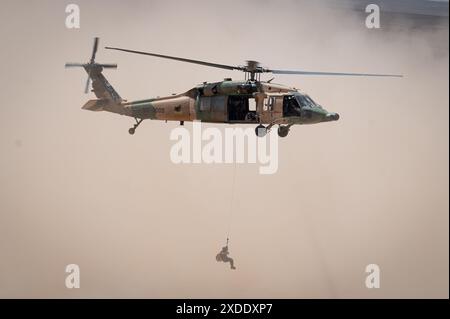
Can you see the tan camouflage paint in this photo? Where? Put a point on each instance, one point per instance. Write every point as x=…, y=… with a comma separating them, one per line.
x=188, y=106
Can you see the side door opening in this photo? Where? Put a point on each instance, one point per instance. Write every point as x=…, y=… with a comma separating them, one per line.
x=242, y=108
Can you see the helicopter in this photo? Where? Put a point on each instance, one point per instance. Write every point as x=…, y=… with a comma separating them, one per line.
x=249, y=101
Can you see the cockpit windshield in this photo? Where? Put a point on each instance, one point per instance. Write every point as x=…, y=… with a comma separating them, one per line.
x=305, y=101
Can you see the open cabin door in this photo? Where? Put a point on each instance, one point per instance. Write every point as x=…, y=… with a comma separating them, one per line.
x=242, y=109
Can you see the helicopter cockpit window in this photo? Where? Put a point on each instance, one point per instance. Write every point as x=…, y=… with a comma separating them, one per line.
x=305, y=101
x=311, y=100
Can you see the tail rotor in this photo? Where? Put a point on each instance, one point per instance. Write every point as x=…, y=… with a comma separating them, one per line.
x=94, y=50
x=92, y=65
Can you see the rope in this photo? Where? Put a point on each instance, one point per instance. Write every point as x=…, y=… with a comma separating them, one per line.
x=231, y=203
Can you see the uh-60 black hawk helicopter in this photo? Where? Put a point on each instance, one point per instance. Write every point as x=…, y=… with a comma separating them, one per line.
x=249, y=101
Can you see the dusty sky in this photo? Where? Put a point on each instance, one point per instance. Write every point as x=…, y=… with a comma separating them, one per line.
x=76, y=188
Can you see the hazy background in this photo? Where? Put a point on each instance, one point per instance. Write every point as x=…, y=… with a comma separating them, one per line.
x=76, y=188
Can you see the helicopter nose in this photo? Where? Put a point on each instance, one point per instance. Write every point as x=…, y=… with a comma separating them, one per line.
x=333, y=116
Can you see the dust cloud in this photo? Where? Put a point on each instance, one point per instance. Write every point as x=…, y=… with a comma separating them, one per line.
x=76, y=188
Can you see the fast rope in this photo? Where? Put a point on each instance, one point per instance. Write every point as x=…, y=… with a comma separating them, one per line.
x=231, y=203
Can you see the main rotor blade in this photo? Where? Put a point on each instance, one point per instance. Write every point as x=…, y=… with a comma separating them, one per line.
x=94, y=50
x=331, y=73
x=214, y=65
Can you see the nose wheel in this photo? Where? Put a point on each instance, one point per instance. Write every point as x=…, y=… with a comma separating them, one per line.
x=132, y=130
x=283, y=131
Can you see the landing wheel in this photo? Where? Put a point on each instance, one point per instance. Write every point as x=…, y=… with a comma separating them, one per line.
x=283, y=131
x=260, y=130
x=133, y=129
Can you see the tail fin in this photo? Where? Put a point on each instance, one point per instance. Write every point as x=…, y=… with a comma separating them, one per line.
x=100, y=85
